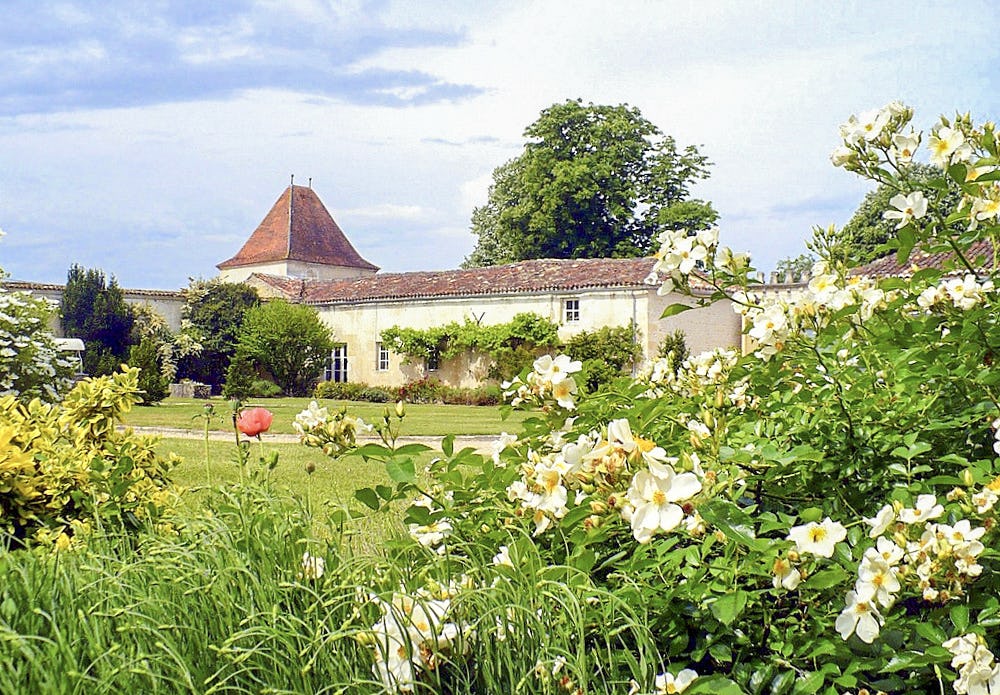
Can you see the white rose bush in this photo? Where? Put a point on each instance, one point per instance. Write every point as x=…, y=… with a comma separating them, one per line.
x=818, y=515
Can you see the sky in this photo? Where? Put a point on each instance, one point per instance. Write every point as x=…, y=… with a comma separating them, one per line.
x=149, y=139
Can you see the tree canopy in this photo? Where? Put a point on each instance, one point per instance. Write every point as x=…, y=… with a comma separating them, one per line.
x=593, y=181
x=94, y=310
x=798, y=267
x=213, y=314
x=288, y=342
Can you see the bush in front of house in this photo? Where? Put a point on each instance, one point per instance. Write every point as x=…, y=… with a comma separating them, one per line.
x=421, y=391
x=606, y=353
x=262, y=388
x=287, y=342
x=153, y=386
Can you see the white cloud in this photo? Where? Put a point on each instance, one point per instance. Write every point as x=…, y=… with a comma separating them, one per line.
x=386, y=211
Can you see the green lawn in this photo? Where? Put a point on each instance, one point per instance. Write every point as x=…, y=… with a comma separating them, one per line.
x=421, y=419
x=329, y=487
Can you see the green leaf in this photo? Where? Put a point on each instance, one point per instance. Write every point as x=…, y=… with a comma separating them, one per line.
x=826, y=578
x=375, y=451
x=401, y=471
x=583, y=560
x=925, y=276
x=384, y=491
x=931, y=632
x=448, y=445
x=368, y=497
x=716, y=685
x=911, y=452
x=960, y=617
x=957, y=172
x=907, y=239
x=728, y=608
x=674, y=309
x=419, y=515
x=732, y=521
x=411, y=449
x=810, y=684
x=782, y=683
x=902, y=661
x=721, y=652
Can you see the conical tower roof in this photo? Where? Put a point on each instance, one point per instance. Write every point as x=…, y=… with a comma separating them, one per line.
x=298, y=228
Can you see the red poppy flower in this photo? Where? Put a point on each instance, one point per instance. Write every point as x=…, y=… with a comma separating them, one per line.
x=253, y=421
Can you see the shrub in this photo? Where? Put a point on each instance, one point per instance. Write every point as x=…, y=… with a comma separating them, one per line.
x=31, y=364
x=339, y=390
x=65, y=468
x=153, y=386
x=240, y=376
x=211, y=319
x=423, y=391
x=820, y=515
x=674, y=347
x=94, y=310
x=480, y=395
x=262, y=388
x=288, y=342
x=426, y=390
x=606, y=354
x=374, y=394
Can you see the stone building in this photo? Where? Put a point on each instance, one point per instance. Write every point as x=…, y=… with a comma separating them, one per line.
x=300, y=254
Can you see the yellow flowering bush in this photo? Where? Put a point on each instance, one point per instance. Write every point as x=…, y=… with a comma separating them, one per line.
x=65, y=468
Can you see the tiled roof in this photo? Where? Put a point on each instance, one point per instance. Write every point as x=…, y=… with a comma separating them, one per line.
x=545, y=275
x=23, y=286
x=298, y=228
x=918, y=260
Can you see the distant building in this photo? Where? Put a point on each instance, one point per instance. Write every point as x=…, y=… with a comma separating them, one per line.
x=300, y=254
x=167, y=303
x=297, y=238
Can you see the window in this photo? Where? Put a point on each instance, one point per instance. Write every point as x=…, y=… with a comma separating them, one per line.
x=572, y=312
x=381, y=357
x=434, y=360
x=336, y=368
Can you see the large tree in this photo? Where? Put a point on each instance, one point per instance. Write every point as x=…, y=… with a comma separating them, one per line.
x=865, y=235
x=593, y=181
x=212, y=316
x=94, y=310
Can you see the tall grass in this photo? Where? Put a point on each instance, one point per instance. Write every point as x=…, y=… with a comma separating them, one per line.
x=221, y=606
x=170, y=613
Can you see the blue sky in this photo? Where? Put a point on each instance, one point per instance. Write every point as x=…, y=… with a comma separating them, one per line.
x=149, y=139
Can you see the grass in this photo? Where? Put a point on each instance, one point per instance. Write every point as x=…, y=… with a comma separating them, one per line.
x=221, y=607
x=331, y=486
x=421, y=419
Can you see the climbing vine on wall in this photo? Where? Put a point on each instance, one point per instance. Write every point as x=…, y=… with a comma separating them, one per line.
x=509, y=345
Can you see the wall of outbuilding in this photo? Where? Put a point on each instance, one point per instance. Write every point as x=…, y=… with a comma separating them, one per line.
x=358, y=325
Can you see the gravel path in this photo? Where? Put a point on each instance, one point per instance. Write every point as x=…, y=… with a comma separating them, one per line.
x=481, y=443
